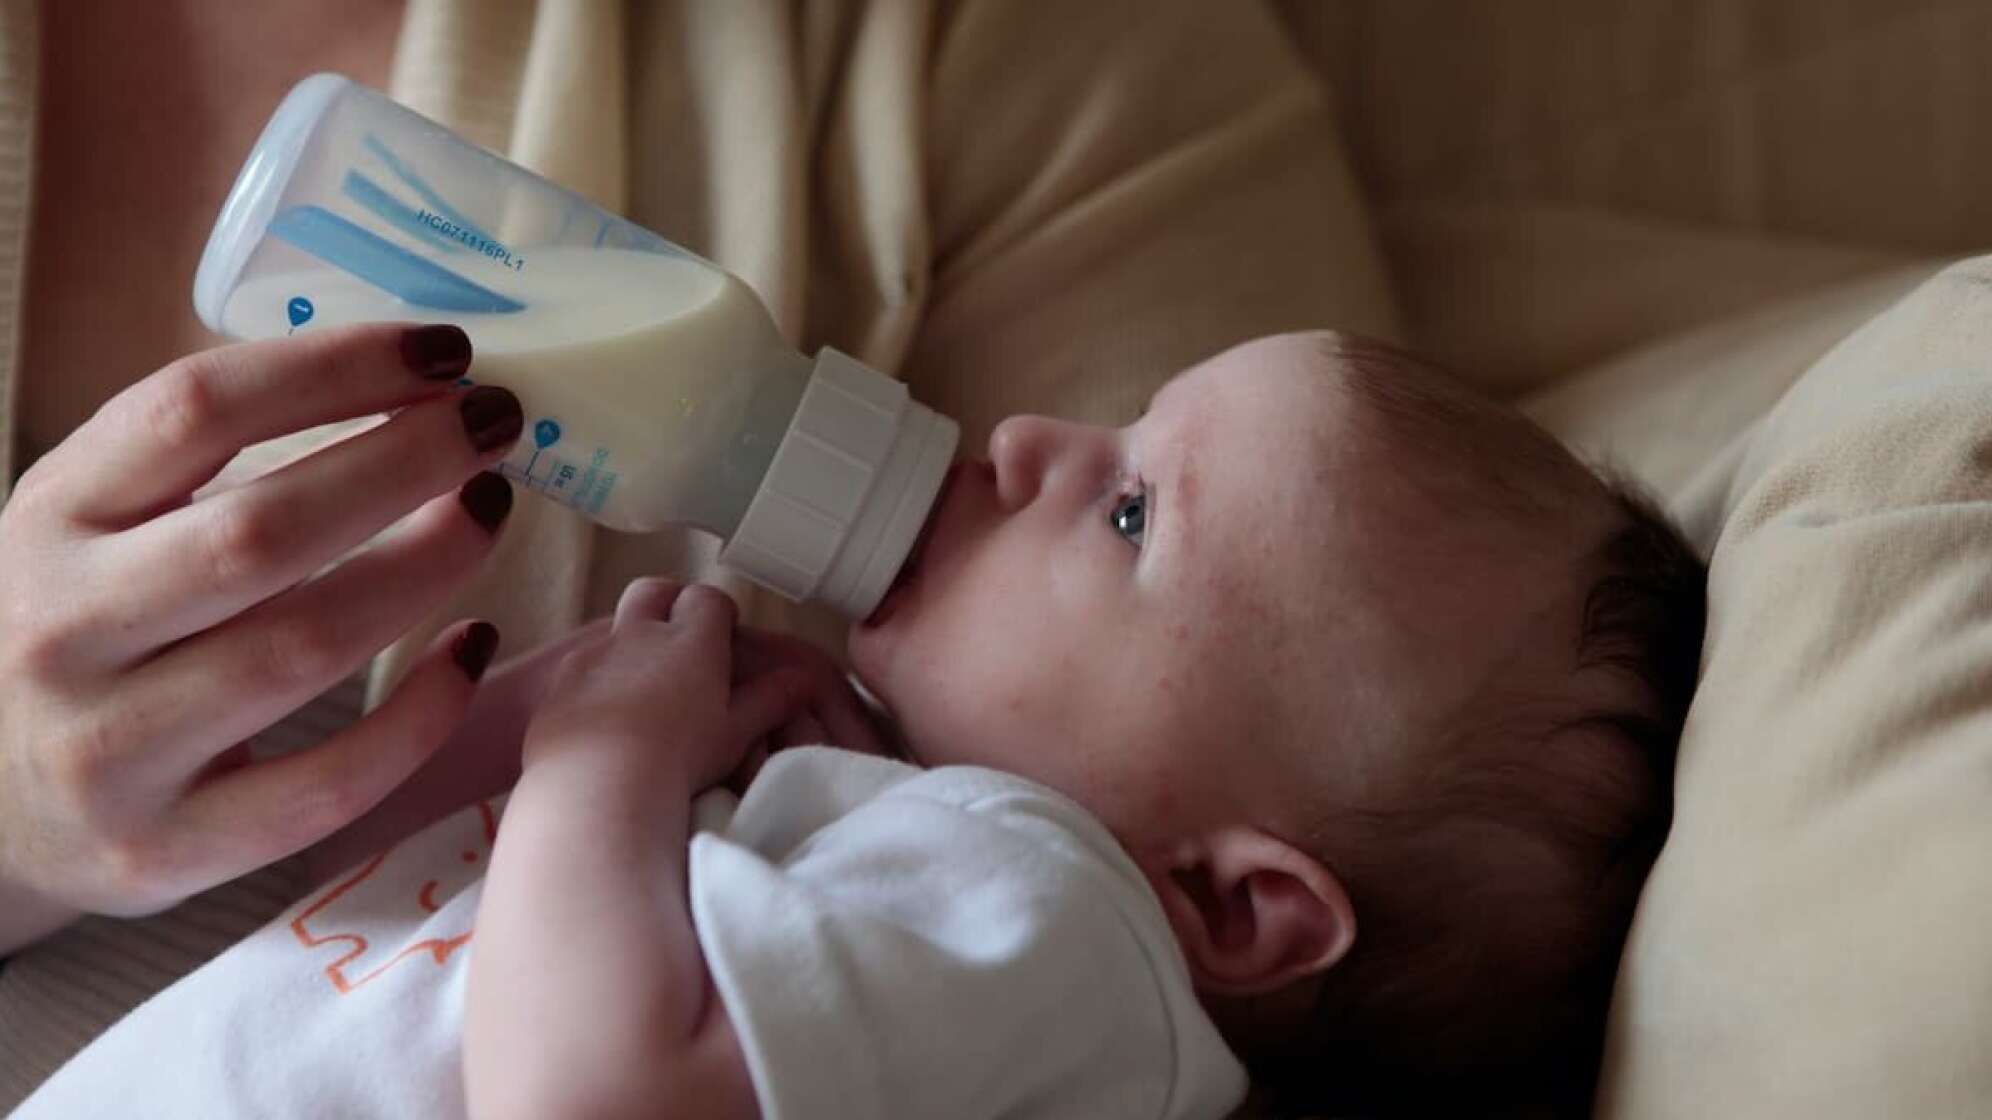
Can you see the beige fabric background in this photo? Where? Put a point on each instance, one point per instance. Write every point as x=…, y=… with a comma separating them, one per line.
x=1645, y=218
x=1556, y=180
x=1814, y=941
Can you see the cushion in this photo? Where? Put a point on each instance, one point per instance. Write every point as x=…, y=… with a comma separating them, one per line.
x=1518, y=295
x=1816, y=939
x=1790, y=117
x=1667, y=411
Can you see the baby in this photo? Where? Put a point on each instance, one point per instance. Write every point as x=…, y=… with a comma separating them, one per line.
x=1373, y=686
x=1318, y=724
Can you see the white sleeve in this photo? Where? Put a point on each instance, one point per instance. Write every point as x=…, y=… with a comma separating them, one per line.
x=959, y=944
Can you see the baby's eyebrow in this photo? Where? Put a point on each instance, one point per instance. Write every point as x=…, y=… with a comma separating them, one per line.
x=1182, y=513
x=1169, y=467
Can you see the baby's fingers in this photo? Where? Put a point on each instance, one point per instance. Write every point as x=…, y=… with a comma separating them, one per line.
x=835, y=713
x=648, y=598
x=763, y=706
x=707, y=611
x=844, y=719
x=803, y=731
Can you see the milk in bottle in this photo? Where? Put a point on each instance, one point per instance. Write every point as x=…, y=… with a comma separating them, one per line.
x=656, y=388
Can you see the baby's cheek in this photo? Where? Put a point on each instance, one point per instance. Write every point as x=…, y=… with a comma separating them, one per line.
x=998, y=717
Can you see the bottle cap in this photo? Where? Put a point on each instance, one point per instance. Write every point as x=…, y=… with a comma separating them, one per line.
x=848, y=490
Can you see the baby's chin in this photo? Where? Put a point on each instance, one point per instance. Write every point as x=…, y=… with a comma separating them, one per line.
x=872, y=661
x=886, y=720
x=870, y=656
x=880, y=648
x=863, y=647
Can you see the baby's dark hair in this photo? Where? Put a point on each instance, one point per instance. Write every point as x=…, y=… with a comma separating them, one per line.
x=1493, y=905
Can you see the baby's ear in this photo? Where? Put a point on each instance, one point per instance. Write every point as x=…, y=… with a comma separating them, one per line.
x=1252, y=912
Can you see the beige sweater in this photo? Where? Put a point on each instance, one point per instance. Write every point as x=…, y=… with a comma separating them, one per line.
x=1017, y=207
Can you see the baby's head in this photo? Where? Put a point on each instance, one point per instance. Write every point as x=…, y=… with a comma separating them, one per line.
x=1376, y=683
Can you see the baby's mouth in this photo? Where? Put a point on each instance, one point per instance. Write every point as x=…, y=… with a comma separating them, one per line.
x=910, y=570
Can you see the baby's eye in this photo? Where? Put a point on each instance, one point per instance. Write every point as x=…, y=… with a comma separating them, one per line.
x=1129, y=515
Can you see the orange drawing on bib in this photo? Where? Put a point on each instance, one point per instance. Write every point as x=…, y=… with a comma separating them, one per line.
x=437, y=948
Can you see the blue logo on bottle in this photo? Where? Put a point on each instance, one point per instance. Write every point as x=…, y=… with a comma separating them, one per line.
x=546, y=433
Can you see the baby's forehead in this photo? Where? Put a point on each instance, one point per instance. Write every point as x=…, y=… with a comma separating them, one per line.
x=1348, y=512
x=1320, y=379
x=1368, y=405
x=1301, y=412
x=1318, y=445
x=1251, y=455
x=1258, y=391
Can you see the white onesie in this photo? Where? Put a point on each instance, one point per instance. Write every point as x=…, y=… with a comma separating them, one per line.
x=889, y=942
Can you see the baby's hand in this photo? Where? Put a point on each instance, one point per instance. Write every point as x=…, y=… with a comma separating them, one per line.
x=656, y=691
x=833, y=714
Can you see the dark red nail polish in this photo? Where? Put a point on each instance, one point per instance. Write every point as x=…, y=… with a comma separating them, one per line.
x=487, y=498
x=474, y=648
x=438, y=351
x=491, y=416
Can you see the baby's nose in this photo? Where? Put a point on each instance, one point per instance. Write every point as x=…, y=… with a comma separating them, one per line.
x=1020, y=447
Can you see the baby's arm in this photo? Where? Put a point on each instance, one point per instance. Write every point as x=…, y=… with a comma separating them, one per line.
x=589, y=995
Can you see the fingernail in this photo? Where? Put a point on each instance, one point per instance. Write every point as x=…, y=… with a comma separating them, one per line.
x=437, y=351
x=492, y=416
x=473, y=649
x=487, y=498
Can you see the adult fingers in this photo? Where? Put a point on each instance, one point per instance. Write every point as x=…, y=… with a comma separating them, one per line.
x=157, y=441
x=234, y=680
x=480, y=759
x=190, y=569
x=239, y=820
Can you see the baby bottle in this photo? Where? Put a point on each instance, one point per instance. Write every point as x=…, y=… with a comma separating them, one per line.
x=656, y=389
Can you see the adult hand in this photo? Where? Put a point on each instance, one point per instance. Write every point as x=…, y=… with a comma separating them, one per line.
x=146, y=634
